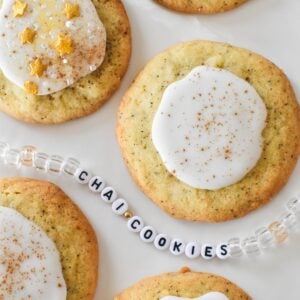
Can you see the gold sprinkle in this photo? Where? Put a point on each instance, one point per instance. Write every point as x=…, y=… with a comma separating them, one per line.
x=31, y=87
x=72, y=10
x=64, y=45
x=19, y=8
x=128, y=214
x=37, y=68
x=27, y=36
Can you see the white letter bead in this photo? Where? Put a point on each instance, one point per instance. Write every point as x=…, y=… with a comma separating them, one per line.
x=192, y=250
x=208, y=251
x=148, y=234
x=96, y=184
x=119, y=207
x=222, y=251
x=108, y=194
x=177, y=247
x=162, y=242
x=83, y=176
x=135, y=224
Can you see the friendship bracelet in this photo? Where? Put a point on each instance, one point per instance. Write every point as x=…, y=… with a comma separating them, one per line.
x=264, y=237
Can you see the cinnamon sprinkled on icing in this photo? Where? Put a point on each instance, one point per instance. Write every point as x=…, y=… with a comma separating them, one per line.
x=29, y=262
x=208, y=128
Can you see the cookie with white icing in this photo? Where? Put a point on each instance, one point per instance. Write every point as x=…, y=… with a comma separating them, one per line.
x=61, y=60
x=209, y=131
x=201, y=6
x=185, y=285
x=48, y=243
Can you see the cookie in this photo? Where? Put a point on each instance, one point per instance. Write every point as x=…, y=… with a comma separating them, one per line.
x=182, y=284
x=87, y=94
x=280, y=135
x=201, y=6
x=47, y=206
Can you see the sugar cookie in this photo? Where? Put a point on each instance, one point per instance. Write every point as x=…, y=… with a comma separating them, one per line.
x=87, y=93
x=48, y=207
x=280, y=136
x=184, y=285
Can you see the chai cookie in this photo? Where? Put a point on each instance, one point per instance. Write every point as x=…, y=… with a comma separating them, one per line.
x=48, y=207
x=201, y=6
x=183, y=286
x=275, y=148
x=72, y=69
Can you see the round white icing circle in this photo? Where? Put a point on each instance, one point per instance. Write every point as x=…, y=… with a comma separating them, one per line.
x=30, y=265
x=208, y=128
x=48, y=20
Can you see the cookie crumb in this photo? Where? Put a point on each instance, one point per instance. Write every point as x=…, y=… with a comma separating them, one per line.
x=184, y=270
x=216, y=61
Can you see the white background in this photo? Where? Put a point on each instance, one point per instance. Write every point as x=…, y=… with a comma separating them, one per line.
x=269, y=27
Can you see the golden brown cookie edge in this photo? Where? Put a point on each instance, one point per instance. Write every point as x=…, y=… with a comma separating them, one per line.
x=174, y=284
x=190, y=9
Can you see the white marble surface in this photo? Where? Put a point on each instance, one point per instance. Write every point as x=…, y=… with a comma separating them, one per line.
x=269, y=27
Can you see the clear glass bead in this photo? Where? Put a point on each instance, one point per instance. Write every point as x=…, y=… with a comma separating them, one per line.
x=55, y=164
x=250, y=246
x=290, y=221
x=3, y=149
x=234, y=248
x=27, y=155
x=40, y=161
x=264, y=237
x=293, y=205
x=13, y=158
x=279, y=232
x=70, y=166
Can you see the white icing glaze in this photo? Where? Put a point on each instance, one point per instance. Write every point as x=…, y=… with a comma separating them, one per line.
x=208, y=128
x=30, y=266
x=209, y=296
x=47, y=18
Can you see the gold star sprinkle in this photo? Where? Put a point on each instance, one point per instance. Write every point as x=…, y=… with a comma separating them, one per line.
x=19, y=8
x=37, y=68
x=72, y=10
x=27, y=36
x=31, y=88
x=64, y=45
